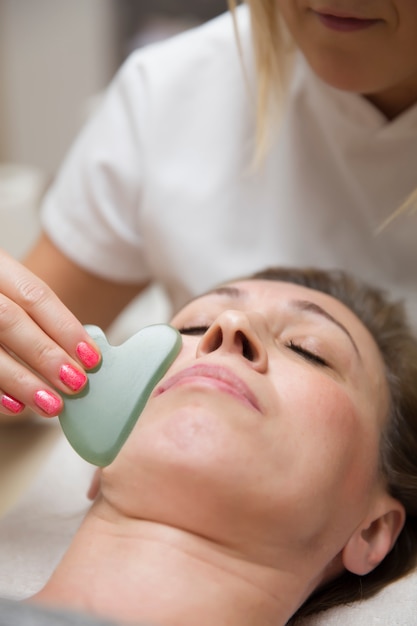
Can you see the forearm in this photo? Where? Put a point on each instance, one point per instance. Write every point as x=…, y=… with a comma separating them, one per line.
x=91, y=298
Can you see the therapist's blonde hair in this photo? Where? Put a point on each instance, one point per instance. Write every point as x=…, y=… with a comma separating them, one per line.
x=271, y=47
x=272, y=52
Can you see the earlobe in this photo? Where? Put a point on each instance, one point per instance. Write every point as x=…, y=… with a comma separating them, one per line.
x=375, y=537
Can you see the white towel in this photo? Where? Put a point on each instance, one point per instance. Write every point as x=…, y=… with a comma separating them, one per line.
x=36, y=531
x=395, y=605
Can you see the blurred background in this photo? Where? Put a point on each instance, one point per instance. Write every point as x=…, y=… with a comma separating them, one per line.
x=56, y=55
x=56, y=58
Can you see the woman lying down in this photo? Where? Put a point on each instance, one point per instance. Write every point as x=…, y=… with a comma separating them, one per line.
x=273, y=472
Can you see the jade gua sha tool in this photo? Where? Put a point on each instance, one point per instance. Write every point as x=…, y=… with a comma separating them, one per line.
x=98, y=420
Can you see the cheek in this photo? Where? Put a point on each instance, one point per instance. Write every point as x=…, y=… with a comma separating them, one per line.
x=407, y=35
x=334, y=443
x=405, y=11
x=327, y=455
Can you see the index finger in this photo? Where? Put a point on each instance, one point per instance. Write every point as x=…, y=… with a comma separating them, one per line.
x=44, y=307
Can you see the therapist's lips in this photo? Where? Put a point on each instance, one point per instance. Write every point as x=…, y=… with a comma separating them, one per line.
x=343, y=23
x=219, y=377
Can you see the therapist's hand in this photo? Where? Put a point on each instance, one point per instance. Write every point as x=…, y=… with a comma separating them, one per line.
x=44, y=349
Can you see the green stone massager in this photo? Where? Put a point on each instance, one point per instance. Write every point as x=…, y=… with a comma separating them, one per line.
x=98, y=420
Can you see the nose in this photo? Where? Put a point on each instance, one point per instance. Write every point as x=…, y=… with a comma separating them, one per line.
x=238, y=333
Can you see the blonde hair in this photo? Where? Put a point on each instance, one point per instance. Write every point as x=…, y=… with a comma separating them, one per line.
x=272, y=46
x=408, y=206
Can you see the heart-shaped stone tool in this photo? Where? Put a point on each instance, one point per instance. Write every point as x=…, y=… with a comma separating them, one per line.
x=98, y=420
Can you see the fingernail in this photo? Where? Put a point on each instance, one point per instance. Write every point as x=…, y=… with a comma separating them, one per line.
x=10, y=403
x=73, y=378
x=87, y=355
x=46, y=401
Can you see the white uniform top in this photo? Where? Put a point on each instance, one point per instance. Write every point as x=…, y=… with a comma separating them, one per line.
x=159, y=185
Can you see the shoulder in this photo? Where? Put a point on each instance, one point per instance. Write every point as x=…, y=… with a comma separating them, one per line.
x=200, y=76
x=208, y=50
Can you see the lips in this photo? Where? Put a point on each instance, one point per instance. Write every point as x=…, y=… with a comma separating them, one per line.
x=343, y=22
x=219, y=377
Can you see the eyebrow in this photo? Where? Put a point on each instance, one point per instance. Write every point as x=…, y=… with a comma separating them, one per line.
x=312, y=307
x=227, y=290
x=301, y=305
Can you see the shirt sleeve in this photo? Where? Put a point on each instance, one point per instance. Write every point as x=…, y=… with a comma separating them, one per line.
x=152, y=157
x=91, y=210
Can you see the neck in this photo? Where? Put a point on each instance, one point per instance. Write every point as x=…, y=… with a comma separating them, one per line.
x=393, y=102
x=134, y=570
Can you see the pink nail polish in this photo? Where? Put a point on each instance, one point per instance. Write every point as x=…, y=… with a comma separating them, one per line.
x=46, y=401
x=87, y=355
x=10, y=403
x=73, y=378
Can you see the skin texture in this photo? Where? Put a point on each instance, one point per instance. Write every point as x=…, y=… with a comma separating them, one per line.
x=379, y=62
x=251, y=476
x=322, y=405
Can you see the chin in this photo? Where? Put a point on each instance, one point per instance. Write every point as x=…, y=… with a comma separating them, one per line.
x=173, y=469
x=187, y=492
x=344, y=76
x=187, y=441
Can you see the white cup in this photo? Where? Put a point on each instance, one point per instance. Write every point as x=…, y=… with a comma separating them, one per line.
x=21, y=189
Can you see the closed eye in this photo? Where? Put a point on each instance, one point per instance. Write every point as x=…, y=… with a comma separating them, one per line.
x=307, y=355
x=193, y=330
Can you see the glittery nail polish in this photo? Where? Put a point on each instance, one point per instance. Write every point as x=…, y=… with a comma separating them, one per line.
x=48, y=402
x=72, y=378
x=87, y=355
x=10, y=403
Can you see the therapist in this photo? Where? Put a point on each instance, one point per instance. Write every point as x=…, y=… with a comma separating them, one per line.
x=202, y=163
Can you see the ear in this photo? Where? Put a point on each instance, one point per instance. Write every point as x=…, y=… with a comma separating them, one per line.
x=374, y=538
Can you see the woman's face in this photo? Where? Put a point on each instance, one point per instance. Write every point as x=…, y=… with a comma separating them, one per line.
x=369, y=47
x=266, y=426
